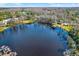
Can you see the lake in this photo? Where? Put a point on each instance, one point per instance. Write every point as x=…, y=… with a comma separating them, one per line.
x=35, y=40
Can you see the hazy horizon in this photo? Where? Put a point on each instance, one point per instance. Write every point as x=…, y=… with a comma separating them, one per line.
x=39, y=5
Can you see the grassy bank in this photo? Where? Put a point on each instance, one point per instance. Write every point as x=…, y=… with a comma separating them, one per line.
x=24, y=22
x=65, y=27
x=14, y=23
x=3, y=28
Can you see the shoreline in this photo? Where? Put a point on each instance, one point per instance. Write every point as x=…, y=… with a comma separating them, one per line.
x=3, y=28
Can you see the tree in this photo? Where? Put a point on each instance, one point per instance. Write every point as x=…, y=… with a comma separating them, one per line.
x=73, y=19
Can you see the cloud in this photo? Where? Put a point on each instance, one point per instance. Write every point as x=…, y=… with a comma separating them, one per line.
x=64, y=5
x=39, y=5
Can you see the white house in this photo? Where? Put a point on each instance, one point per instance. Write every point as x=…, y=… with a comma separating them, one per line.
x=2, y=24
x=66, y=23
x=6, y=21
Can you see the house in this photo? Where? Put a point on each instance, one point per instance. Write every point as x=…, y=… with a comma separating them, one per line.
x=2, y=24
x=66, y=23
x=15, y=19
x=7, y=21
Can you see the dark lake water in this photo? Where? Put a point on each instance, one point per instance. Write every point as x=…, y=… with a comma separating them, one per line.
x=35, y=39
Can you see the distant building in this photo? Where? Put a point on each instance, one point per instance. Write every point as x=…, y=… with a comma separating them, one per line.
x=2, y=24
x=7, y=21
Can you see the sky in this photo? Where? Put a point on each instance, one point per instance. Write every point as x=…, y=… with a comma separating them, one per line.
x=39, y=4
x=39, y=1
